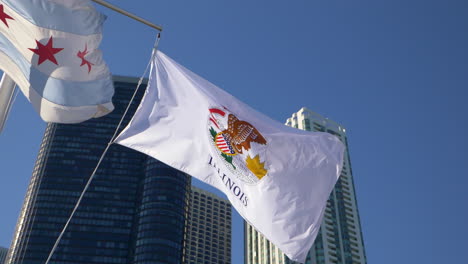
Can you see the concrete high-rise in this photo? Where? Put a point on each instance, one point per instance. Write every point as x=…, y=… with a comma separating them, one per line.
x=339, y=240
x=209, y=229
x=133, y=213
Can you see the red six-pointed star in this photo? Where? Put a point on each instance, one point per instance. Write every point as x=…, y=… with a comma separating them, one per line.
x=46, y=52
x=4, y=16
x=81, y=55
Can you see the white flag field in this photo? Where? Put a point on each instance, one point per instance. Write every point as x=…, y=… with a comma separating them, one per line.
x=278, y=178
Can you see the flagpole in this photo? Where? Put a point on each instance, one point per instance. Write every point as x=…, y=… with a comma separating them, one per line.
x=130, y=15
x=7, y=91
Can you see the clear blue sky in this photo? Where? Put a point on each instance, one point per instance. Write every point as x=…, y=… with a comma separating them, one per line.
x=394, y=73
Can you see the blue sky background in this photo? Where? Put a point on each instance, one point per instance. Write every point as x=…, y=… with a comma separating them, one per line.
x=394, y=73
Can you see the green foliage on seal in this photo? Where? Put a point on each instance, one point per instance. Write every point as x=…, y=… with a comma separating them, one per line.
x=226, y=157
x=213, y=133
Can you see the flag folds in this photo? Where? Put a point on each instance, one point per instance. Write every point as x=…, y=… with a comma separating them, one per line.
x=278, y=178
x=49, y=48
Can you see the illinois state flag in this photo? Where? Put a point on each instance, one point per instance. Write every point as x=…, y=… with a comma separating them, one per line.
x=278, y=178
x=49, y=48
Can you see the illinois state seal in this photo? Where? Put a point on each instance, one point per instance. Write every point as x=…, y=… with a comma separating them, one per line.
x=241, y=146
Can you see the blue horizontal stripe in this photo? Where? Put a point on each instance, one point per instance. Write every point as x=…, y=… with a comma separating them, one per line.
x=47, y=14
x=62, y=92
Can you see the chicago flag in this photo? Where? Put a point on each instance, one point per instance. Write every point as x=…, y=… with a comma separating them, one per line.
x=49, y=48
x=278, y=178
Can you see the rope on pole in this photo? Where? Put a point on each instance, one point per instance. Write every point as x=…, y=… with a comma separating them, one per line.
x=103, y=154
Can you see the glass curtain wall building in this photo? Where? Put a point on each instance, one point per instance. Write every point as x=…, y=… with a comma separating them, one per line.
x=209, y=229
x=339, y=240
x=3, y=254
x=134, y=211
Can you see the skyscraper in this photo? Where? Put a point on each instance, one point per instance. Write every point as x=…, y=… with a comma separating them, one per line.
x=339, y=240
x=3, y=254
x=209, y=229
x=134, y=211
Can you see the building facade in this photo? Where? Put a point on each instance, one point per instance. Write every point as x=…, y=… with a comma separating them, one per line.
x=134, y=211
x=209, y=229
x=3, y=254
x=339, y=240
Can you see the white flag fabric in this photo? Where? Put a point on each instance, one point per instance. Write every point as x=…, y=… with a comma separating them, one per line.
x=278, y=178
